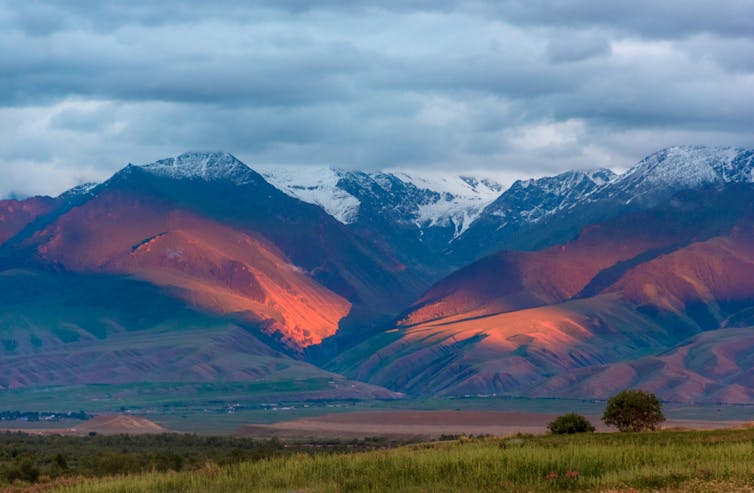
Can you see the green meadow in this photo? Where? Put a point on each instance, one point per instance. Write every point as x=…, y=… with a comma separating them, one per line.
x=672, y=461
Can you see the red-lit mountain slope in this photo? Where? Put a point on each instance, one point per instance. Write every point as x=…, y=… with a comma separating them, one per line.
x=211, y=231
x=626, y=290
x=15, y=214
x=706, y=280
x=213, y=266
x=512, y=280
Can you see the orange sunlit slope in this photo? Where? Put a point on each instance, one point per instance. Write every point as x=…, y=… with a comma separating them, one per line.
x=209, y=264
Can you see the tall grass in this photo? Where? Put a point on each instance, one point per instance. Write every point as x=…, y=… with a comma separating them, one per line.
x=668, y=461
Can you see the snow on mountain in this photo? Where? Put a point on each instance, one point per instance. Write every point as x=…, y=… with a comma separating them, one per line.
x=540, y=212
x=655, y=177
x=426, y=199
x=209, y=166
x=683, y=167
x=461, y=198
x=315, y=185
x=534, y=199
x=440, y=207
x=431, y=199
x=80, y=190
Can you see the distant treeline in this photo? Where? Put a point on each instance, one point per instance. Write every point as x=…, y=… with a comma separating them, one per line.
x=42, y=416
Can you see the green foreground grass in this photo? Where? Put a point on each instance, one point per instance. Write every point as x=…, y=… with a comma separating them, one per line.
x=662, y=461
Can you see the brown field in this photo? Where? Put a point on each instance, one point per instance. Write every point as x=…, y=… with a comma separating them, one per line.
x=406, y=425
x=431, y=425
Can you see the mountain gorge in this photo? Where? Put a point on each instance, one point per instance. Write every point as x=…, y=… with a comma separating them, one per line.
x=200, y=269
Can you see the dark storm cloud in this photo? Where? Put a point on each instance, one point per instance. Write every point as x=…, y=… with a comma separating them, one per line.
x=664, y=19
x=129, y=67
x=512, y=85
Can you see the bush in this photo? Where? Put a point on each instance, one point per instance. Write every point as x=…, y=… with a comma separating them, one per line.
x=570, y=423
x=633, y=410
x=22, y=469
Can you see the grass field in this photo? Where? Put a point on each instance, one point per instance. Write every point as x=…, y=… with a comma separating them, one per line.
x=713, y=461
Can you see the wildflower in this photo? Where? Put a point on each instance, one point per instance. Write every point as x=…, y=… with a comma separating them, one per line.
x=572, y=474
x=551, y=476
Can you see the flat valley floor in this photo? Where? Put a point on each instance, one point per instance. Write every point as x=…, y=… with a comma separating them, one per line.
x=401, y=425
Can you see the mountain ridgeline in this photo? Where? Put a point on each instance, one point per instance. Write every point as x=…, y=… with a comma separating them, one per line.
x=200, y=269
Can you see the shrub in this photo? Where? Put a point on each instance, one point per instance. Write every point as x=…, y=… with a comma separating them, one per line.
x=633, y=410
x=60, y=462
x=166, y=461
x=22, y=469
x=113, y=463
x=570, y=423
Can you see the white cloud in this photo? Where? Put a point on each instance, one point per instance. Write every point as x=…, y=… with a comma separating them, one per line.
x=548, y=136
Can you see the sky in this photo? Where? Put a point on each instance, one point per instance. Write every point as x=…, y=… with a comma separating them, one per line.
x=513, y=87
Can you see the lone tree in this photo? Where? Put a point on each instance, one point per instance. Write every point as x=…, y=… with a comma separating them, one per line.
x=570, y=423
x=633, y=410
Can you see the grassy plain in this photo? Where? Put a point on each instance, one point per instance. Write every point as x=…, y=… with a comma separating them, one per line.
x=693, y=461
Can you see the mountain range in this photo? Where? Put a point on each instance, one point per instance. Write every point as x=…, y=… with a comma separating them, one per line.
x=381, y=284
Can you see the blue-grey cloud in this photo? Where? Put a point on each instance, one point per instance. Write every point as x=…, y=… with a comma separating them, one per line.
x=575, y=46
x=522, y=86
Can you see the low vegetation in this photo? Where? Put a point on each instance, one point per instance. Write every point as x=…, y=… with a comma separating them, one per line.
x=570, y=423
x=670, y=461
x=28, y=459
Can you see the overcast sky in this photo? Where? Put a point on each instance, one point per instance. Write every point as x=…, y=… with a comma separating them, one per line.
x=522, y=87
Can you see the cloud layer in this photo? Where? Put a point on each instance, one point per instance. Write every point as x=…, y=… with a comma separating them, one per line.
x=520, y=87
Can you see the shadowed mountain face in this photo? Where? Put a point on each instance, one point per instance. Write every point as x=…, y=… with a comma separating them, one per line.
x=570, y=318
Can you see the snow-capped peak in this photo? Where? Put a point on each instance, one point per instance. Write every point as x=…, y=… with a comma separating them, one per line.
x=209, y=166
x=684, y=167
x=78, y=190
x=687, y=166
x=316, y=185
x=530, y=201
